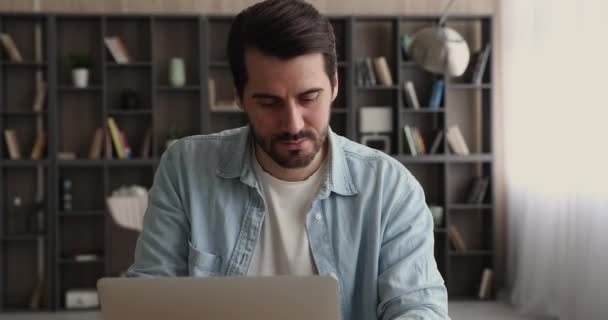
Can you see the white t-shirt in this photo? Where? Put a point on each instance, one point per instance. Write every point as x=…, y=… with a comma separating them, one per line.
x=283, y=247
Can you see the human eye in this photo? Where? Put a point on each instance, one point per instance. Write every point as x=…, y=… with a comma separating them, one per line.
x=310, y=97
x=267, y=102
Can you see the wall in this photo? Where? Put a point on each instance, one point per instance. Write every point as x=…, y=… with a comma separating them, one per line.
x=367, y=7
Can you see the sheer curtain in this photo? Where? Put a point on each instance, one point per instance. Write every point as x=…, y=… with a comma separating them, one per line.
x=556, y=155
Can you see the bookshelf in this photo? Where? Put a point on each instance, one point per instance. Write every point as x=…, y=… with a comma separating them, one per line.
x=71, y=116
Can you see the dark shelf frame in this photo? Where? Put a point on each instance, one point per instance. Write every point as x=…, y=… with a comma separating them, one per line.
x=191, y=109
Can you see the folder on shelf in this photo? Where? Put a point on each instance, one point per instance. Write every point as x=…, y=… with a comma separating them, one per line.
x=39, y=145
x=456, y=141
x=383, y=72
x=117, y=49
x=40, y=95
x=420, y=146
x=96, y=144
x=146, y=146
x=10, y=136
x=11, y=48
x=437, y=94
x=456, y=239
x=486, y=283
x=409, y=141
x=115, y=134
x=411, y=96
x=436, y=142
x=481, y=65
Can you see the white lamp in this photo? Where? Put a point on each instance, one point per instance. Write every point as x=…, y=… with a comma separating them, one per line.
x=440, y=49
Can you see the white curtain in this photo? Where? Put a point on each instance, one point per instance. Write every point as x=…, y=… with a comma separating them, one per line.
x=555, y=55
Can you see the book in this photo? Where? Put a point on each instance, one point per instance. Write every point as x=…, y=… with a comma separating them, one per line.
x=481, y=65
x=369, y=69
x=456, y=141
x=405, y=46
x=146, y=145
x=485, y=287
x=410, y=95
x=436, y=142
x=359, y=73
x=10, y=136
x=96, y=144
x=38, y=294
x=39, y=145
x=11, y=48
x=40, y=95
x=483, y=190
x=211, y=90
x=437, y=94
x=117, y=49
x=125, y=145
x=115, y=134
x=420, y=147
x=107, y=144
x=66, y=155
x=409, y=139
x=456, y=239
x=383, y=73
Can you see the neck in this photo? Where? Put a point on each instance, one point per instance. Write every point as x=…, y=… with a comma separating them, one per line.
x=291, y=174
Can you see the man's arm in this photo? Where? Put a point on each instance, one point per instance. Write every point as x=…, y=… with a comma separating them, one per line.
x=162, y=247
x=409, y=283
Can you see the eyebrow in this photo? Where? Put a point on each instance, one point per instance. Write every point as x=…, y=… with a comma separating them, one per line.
x=270, y=96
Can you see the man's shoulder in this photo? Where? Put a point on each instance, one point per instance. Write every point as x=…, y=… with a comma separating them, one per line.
x=207, y=149
x=360, y=156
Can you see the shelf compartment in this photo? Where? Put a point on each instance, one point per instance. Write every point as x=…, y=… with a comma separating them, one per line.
x=167, y=32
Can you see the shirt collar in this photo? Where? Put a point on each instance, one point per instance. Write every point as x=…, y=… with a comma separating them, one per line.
x=237, y=162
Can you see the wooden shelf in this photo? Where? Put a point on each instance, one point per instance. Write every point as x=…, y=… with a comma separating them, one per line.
x=471, y=253
x=24, y=64
x=138, y=112
x=135, y=64
x=422, y=110
x=23, y=113
x=23, y=163
x=86, y=213
x=23, y=237
x=72, y=114
x=468, y=86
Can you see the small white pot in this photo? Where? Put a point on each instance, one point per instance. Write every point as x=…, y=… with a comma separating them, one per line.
x=80, y=77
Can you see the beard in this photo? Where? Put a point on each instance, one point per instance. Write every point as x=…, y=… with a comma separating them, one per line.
x=291, y=159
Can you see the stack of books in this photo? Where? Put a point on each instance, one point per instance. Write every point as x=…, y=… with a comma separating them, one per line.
x=373, y=71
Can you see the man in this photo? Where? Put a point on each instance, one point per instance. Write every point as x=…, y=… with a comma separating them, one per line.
x=285, y=195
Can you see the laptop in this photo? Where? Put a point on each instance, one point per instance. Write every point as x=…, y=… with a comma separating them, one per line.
x=226, y=298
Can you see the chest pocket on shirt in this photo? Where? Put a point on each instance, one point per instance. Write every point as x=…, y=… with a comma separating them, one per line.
x=202, y=264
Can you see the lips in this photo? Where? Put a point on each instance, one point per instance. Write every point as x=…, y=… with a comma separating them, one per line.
x=293, y=144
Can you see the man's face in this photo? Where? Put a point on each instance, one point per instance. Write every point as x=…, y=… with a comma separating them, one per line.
x=288, y=105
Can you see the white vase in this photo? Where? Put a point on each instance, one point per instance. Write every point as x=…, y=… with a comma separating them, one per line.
x=80, y=77
x=177, y=72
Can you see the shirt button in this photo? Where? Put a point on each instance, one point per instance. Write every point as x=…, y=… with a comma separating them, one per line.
x=318, y=217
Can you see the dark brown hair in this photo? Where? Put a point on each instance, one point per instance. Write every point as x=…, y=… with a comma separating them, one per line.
x=283, y=29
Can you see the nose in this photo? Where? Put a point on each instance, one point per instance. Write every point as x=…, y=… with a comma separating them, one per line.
x=291, y=118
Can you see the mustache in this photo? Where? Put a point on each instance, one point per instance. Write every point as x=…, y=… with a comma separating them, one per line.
x=286, y=136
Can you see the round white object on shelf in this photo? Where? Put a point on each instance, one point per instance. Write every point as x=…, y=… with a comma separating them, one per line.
x=440, y=50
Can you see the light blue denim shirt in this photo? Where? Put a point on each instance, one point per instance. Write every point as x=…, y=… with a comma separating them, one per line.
x=369, y=225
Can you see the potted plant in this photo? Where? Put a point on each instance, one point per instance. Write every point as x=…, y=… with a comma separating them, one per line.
x=79, y=64
x=173, y=135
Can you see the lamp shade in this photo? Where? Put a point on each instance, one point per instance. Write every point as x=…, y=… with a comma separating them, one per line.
x=440, y=50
